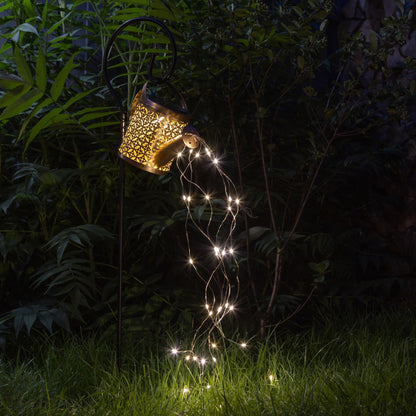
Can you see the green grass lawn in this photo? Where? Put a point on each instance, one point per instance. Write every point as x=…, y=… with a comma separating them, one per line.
x=361, y=367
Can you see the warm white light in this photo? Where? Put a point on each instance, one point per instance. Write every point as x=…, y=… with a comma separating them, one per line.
x=214, y=345
x=229, y=208
x=219, y=309
x=188, y=357
x=191, y=261
x=207, y=150
x=231, y=308
x=208, y=386
x=231, y=251
x=184, y=197
x=227, y=305
x=203, y=361
x=210, y=313
x=237, y=201
x=271, y=378
x=207, y=197
x=217, y=250
x=206, y=306
x=179, y=154
x=174, y=351
x=185, y=390
x=230, y=199
x=197, y=155
x=158, y=120
x=243, y=345
x=223, y=252
x=195, y=358
x=215, y=161
x=214, y=359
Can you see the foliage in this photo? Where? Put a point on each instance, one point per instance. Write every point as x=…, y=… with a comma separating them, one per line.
x=59, y=175
x=305, y=133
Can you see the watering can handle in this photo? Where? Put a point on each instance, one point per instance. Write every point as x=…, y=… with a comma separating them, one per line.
x=183, y=107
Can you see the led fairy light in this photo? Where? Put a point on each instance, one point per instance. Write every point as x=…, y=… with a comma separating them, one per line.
x=221, y=282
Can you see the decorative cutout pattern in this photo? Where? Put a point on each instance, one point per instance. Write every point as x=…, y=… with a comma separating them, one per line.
x=147, y=133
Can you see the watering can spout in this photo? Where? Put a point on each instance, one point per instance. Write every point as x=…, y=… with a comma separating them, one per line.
x=189, y=138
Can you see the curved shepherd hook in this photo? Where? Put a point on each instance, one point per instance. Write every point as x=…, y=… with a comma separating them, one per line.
x=121, y=166
x=152, y=78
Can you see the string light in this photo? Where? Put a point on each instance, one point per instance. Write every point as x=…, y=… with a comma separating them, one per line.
x=220, y=272
x=243, y=345
x=174, y=351
x=185, y=390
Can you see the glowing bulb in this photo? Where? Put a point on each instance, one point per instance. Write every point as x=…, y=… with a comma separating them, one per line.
x=174, y=351
x=243, y=345
x=214, y=345
x=219, y=309
x=237, y=201
x=207, y=150
x=271, y=378
x=223, y=252
x=179, y=154
x=230, y=199
x=191, y=261
x=210, y=313
x=188, y=357
x=214, y=359
x=229, y=208
x=207, y=197
x=190, y=151
x=227, y=305
x=206, y=306
x=217, y=250
x=231, y=308
x=203, y=361
x=215, y=161
x=231, y=251
x=195, y=358
x=185, y=390
x=208, y=387
x=184, y=197
x=197, y=155
x=188, y=198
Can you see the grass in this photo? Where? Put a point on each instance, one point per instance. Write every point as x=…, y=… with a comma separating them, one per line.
x=366, y=367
